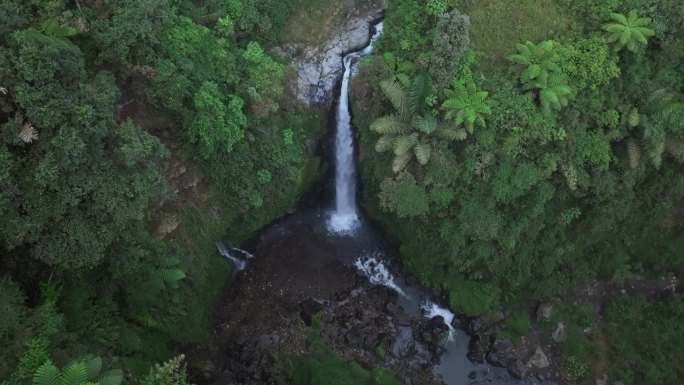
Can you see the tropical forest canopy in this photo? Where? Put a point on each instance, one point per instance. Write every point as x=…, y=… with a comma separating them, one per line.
x=514, y=149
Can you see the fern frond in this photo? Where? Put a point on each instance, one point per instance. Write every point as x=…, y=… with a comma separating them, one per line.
x=384, y=143
x=400, y=162
x=396, y=94
x=426, y=124
x=403, y=144
x=111, y=377
x=420, y=90
x=656, y=154
x=633, y=152
x=47, y=374
x=390, y=124
x=675, y=147
x=633, y=117
x=28, y=133
x=75, y=373
x=422, y=152
x=93, y=367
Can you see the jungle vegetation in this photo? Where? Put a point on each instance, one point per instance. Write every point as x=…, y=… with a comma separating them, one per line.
x=511, y=164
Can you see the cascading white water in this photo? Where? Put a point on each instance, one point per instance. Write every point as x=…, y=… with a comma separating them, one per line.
x=377, y=273
x=238, y=263
x=345, y=218
x=431, y=310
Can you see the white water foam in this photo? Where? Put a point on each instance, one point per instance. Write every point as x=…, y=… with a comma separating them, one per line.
x=345, y=218
x=431, y=310
x=238, y=263
x=377, y=273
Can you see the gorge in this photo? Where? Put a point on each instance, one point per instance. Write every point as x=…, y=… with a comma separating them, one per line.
x=329, y=260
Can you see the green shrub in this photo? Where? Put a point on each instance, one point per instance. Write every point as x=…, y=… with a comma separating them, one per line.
x=518, y=322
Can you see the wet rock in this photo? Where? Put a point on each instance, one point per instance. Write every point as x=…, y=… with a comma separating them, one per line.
x=518, y=369
x=559, y=334
x=403, y=343
x=472, y=375
x=539, y=360
x=435, y=331
x=544, y=311
x=353, y=337
x=308, y=309
x=478, y=348
x=501, y=352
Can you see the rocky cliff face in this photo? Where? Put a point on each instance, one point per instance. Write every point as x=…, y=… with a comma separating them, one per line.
x=318, y=68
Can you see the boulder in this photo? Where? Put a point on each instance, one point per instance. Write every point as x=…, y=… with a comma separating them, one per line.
x=539, y=360
x=544, y=311
x=500, y=352
x=559, y=334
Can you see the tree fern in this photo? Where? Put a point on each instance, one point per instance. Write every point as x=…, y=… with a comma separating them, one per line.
x=52, y=28
x=628, y=31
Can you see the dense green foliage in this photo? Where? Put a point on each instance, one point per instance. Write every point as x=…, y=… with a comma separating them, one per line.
x=576, y=174
x=82, y=187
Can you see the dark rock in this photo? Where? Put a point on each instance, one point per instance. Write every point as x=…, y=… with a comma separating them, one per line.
x=435, y=331
x=500, y=352
x=353, y=336
x=518, y=369
x=478, y=348
x=403, y=344
x=309, y=308
x=472, y=375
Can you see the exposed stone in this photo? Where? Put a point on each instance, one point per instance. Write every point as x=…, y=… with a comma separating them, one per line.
x=319, y=68
x=544, y=311
x=539, y=360
x=559, y=334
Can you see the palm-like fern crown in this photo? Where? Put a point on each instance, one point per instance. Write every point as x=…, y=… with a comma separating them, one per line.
x=536, y=61
x=466, y=104
x=628, y=31
x=411, y=130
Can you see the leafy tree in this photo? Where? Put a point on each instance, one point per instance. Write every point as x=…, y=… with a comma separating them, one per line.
x=218, y=125
x=628, y=31
x=449, y=44
x=466, y=105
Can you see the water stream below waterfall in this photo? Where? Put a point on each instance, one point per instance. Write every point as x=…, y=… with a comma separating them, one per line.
x=311, y=242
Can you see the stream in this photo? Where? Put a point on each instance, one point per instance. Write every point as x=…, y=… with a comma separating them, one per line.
x=311, y=256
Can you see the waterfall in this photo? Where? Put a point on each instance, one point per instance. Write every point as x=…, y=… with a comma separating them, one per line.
x=345, y=218
x=431, y=310
x=238, y=263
